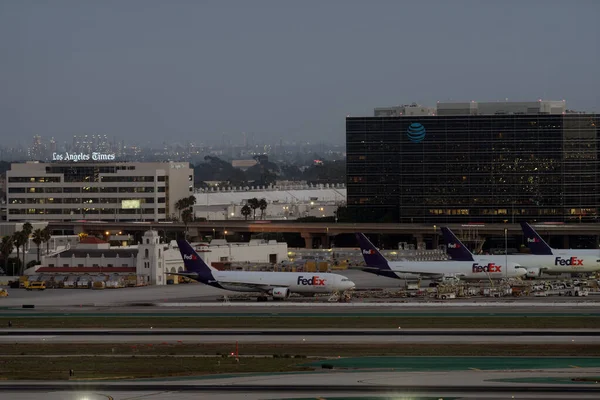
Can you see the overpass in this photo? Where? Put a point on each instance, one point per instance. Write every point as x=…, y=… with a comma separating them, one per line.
x=325, y=230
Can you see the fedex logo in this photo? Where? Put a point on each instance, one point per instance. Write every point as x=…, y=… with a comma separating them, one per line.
x=533, y=240
x=569, y=261
x=491, y=267
x=453, y=246
x=312, y=281
x=190, y=257
x=368, y=252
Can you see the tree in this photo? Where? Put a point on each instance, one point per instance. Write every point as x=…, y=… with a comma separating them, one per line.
x=37, y=239
x=20, y=239
x=262, y=205
x=46, y=236
x=184, y=204
x=6, y=248
x=246, y=211
x=27, y=228
x=253, y=203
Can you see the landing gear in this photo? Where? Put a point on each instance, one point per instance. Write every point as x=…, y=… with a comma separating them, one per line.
x=340, y=297
x=262, y=298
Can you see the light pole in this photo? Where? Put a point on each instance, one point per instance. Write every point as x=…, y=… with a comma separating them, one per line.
x=506, y=251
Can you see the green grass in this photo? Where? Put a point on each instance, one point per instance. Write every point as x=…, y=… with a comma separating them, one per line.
x=306, y=322
x=15, y=368
x=174, y=348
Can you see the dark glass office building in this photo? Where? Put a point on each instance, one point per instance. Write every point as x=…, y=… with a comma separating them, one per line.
x=474, y=168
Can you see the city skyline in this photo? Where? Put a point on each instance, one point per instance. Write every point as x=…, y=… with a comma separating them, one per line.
x=148, y=71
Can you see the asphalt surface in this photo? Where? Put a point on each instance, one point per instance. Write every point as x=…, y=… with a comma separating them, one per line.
x=124, y=300
x=328, y=384
x=292, y=336
x=280, y=395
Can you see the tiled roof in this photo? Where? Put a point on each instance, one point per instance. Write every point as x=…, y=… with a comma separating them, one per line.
x=87, y=270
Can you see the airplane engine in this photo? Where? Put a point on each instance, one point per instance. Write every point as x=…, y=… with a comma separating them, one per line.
x=281, y=293
x=533, y=272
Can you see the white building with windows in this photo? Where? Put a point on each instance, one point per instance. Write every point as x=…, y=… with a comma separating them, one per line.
x=283, y=202
x=96, y=190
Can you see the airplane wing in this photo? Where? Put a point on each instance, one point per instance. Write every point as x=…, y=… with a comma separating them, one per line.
x=398, y=271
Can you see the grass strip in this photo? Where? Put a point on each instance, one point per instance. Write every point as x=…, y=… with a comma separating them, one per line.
x=175, y=348
x=524, y=322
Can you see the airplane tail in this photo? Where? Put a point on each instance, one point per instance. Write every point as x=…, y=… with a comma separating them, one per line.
x=536, y=244
x=455, y=248
x=376, y=263
x=195, y=267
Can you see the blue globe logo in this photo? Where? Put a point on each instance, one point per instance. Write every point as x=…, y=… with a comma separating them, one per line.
x=416, y=132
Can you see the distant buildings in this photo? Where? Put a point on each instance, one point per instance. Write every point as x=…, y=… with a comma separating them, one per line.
x=288, y=202
x=474, y=162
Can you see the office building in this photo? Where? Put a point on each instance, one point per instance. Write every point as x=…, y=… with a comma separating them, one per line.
x=93, y=187
x=475, y=162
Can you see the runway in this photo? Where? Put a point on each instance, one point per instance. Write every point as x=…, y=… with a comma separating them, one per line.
x=414, y=385
x=313, y=336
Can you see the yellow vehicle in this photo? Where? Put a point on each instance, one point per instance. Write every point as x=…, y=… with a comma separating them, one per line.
x=3, y=293
x=35, y=285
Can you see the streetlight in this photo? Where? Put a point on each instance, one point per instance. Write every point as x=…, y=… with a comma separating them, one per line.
x=506, y=251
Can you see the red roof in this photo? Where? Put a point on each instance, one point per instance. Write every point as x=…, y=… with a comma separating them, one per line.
x=89, y=270
x=92, y=240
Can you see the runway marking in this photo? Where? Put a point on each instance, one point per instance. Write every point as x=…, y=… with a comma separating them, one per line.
x=147, y=395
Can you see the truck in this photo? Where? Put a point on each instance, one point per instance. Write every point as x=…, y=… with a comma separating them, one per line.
x=35, y=285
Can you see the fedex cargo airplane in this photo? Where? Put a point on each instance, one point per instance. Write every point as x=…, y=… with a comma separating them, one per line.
x=466, y=270
x=278, y=285
x=559, y=260
x=550, y=261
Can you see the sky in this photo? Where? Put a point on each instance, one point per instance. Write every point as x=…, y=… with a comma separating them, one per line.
x=149, y=71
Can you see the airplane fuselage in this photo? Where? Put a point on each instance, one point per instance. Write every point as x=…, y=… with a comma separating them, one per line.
x=295, y=282
x=562, y=261
x=468, y=270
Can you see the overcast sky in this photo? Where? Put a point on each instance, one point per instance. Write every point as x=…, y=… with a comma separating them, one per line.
x=149, y=71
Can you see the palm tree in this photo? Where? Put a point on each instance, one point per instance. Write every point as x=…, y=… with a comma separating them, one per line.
x=179, y=206
x=27, y=228
x=37, y=239
x=46, y=236
x=187, y=216
x=246, y=211
x=6, y=248
x=253, y=203
x=20, y=239
x=262, y=205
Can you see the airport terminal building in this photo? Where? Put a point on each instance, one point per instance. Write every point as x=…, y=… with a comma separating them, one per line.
x=474, y=162
x=96, y=188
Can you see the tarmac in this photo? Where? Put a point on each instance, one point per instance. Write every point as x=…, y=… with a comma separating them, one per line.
x=183, y=296
x=471, y=384
x=299, y=336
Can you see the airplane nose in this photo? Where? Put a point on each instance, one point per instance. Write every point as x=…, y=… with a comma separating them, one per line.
x=351, y=285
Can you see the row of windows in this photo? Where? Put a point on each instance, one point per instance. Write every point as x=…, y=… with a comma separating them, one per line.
x=78, y=200
x=132, y=179
x=41, y=179
x=74, y=211
x=88, y=189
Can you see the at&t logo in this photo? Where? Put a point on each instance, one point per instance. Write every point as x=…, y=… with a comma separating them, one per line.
x=416, y=132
